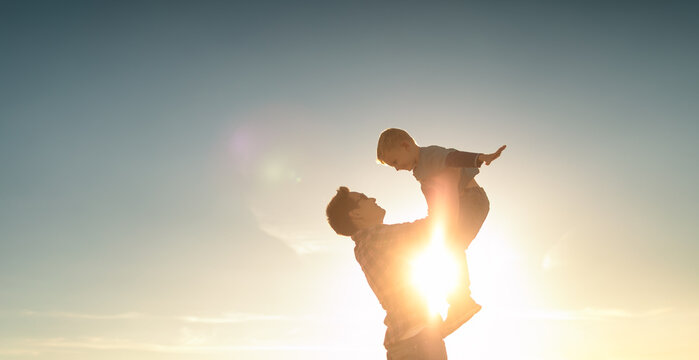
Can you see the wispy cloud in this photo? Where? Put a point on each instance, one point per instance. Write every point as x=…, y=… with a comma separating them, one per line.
x=36, y=346
x=74, y=315
x=302, y=242
x=588, y=313
x=19, y=352
x=203, y=337
x=233, y=318
x=304, y=233
x=226, y=318
x=621, y=313
x=592, y=314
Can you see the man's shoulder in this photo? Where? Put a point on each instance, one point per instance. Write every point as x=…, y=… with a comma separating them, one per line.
x=387, y=240
x=407, y=226
x=377, y=235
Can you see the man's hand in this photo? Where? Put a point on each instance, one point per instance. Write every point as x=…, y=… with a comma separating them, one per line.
x=488, y=158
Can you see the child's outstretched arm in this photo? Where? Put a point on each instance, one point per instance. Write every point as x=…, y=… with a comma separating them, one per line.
x=458, y=158
x=488, y=158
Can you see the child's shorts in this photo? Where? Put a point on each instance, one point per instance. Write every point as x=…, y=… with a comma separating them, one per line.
x=473, y=209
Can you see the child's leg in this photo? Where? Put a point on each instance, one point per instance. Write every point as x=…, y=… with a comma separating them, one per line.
x=461, y=306
x=473, y=209
x=463, y=287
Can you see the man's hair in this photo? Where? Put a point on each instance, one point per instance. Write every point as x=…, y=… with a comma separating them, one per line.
x=389, y=139
x=338, y=212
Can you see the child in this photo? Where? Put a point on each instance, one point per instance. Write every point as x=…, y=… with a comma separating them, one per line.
x=397, y=149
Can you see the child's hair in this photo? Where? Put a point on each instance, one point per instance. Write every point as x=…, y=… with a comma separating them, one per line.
x=389, y=139
x=338, y=212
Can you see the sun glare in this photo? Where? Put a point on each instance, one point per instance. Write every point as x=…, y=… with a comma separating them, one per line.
x=435, y=272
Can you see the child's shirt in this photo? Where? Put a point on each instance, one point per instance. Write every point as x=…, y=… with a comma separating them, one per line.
x=433, y=160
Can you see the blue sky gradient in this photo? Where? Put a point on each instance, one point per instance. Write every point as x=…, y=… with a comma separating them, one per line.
x=166, y=165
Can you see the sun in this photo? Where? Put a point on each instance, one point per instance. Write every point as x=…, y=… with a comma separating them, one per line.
x=434, y=273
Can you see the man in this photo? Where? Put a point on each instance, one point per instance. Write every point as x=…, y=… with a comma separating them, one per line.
x=385, y=253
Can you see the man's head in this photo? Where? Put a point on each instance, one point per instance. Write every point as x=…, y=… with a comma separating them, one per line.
x=397, y=149
x=349, y=212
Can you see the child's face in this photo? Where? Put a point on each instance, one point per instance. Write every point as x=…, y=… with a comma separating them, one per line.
x=400, y=158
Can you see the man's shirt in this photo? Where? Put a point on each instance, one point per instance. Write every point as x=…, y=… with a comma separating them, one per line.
x=386, y=253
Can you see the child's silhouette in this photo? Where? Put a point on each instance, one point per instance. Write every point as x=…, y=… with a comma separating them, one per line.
x=397, y=149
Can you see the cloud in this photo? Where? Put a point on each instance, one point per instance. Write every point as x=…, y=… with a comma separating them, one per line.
x=36, y=346
x=621, y=313
x=591, y=314
x=227, y=318
x=232, y=318
x=197, y=335
x=72, y=315
x=301, y=234
x=299, y=241
x=19, y=352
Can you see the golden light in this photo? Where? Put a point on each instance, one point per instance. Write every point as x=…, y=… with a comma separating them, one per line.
x=435, y=273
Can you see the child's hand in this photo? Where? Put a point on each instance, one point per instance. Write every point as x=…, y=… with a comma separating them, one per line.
x=488, y=158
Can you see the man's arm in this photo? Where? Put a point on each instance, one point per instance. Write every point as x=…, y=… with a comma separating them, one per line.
x=442, y=197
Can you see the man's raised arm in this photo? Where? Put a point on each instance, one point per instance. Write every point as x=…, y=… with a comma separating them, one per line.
x=443, y=198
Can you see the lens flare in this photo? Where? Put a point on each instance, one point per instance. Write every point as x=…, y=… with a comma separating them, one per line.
x=434, y=273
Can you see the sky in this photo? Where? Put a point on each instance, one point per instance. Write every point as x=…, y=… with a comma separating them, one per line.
x=166, y=167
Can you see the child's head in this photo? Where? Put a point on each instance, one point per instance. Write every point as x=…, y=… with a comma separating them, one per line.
x=397, y=149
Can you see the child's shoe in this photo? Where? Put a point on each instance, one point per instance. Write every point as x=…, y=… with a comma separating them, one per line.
x=460, y=312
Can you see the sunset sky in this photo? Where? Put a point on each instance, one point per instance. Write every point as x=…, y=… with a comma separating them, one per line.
x=165, y=167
